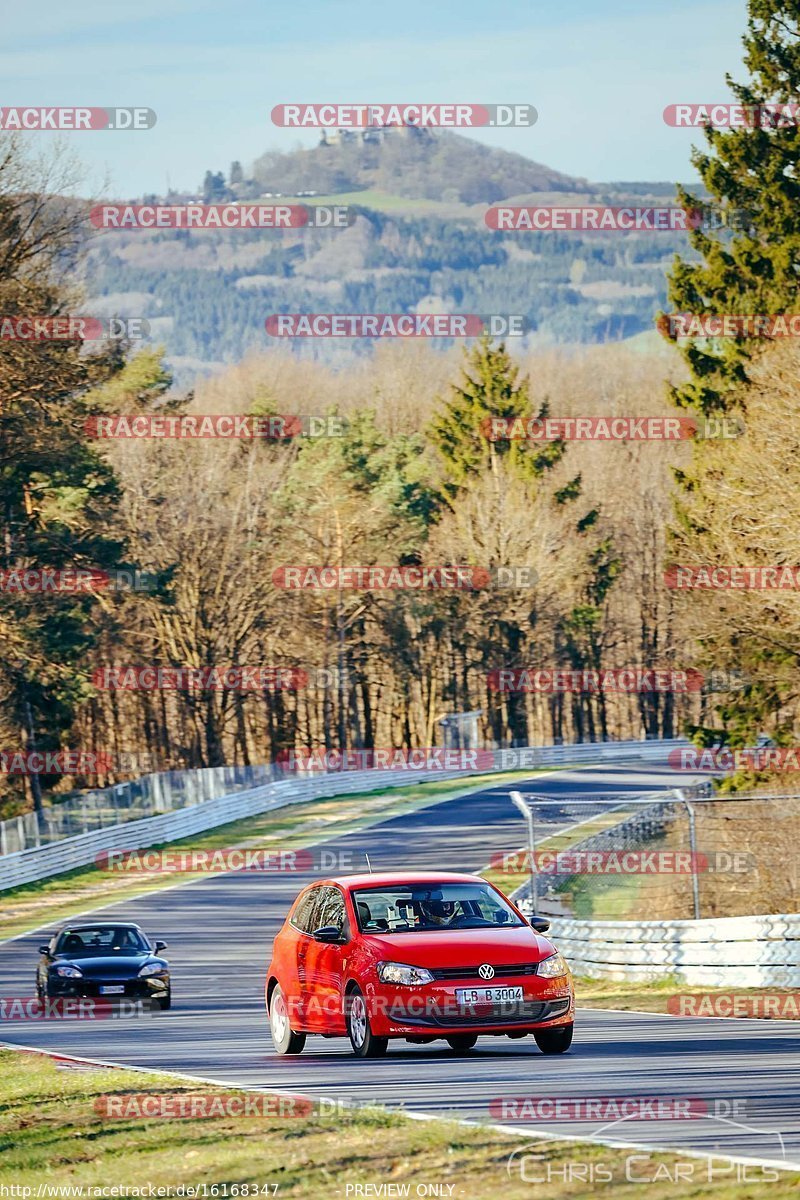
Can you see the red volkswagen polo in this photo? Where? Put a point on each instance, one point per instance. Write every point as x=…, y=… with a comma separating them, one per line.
x=415, y=955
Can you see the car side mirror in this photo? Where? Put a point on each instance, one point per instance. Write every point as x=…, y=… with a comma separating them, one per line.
x=331, y=934
x=160, y=946
x=45, y=949
x=540, y=924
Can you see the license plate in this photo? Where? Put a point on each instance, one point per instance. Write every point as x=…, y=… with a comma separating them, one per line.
x=487, y=995
x=113, y=990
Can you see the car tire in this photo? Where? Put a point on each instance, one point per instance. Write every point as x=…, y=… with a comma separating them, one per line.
x=554, y=1041
x=362, y=1039
x=286, y=1040
x=462, y=1041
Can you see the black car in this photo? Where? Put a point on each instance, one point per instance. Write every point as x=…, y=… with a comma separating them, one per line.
x=111, y=959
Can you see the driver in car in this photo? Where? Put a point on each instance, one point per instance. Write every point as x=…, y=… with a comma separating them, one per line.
x=438, y=913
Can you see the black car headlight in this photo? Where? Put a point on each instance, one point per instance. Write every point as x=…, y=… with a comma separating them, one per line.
x=151, y=969
x=68, y=971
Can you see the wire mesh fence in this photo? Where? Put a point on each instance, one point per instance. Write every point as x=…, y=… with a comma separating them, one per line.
x=683, y=854
x=145, y=797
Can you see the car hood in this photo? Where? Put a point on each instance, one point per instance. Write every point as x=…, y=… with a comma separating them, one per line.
x=117, y=966
x=461, y=947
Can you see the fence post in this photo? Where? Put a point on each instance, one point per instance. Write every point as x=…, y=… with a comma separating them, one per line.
x=527, y=812
x=693, y=849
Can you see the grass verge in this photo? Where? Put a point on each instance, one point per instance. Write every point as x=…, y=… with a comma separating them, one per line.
x=765, y=1003
x=54, y=1133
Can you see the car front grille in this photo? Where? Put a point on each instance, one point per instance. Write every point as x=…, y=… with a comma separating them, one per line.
x=500, y=972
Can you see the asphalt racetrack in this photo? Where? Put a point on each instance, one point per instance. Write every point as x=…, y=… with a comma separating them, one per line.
x=220, y=932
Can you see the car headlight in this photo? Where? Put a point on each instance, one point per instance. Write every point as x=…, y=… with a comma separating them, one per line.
x=392, y=972
x=70, y=972
x=552, y=967
x=151, y=969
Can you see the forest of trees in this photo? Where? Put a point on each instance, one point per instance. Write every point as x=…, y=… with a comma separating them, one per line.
x=413, y=480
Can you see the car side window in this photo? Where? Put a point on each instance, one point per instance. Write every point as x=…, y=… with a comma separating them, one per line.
x=302, y=916
x=331, y=909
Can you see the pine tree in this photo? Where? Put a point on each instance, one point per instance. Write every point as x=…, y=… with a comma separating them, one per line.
x=490, y=387
x=749, y=264
x=752, y=175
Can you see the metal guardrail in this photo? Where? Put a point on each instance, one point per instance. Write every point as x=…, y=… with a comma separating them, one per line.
x=42, y=861
x=133, y=801
x=740, y=952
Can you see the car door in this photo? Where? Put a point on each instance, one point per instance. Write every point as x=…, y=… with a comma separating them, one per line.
x=324, y=965
x=304, y=920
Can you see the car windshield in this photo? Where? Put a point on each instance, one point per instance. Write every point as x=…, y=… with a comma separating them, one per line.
x=426, y=908
x=85, y=942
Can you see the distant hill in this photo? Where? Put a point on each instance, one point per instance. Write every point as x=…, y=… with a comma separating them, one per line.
x=419, y=242
x=408, y=162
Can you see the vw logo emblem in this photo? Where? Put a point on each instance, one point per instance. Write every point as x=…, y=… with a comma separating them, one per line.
x=486, y=971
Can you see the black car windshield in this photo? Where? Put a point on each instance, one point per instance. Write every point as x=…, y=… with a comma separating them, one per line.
x=426, y=908
x=88, y=942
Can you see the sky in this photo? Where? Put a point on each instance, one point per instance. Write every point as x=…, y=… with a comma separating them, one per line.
x=599, y=72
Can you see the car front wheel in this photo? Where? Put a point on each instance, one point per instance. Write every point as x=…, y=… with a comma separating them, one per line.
x=285, y=1039
x=362, y=1039
x=554, y=1041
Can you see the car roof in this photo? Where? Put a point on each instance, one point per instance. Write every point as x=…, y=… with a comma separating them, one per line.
x=77, y=925
x=388, y=878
